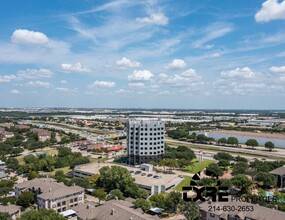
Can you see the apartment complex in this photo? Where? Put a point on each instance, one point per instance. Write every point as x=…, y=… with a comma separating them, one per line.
x=145, y=141
x=14, y=211
x=111, y=210
x=43, y=135
x=52, y=195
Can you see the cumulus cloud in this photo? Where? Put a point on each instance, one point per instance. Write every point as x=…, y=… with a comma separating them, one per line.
x=215, y=55
x=34, y=73
x=276, y=69
x=102, y=84
x=63, y=81
x=15, y=91
x=188, y=78
x=245, y=72
x=155, y=18
x=66, y=90
x=137, y=85
x=23, y=36
x=27, y=74
x=7, y=78
x=176, y=64
x=271, y=10
x=140, y=75
x=77, y=67
x=124, y=62
x=39, y=84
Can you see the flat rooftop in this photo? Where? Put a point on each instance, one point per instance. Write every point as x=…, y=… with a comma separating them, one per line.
x=93, y=168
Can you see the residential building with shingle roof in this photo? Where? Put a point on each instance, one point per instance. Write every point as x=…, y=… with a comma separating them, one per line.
x=51, y=194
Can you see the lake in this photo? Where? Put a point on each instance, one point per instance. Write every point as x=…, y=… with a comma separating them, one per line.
x=279, y=143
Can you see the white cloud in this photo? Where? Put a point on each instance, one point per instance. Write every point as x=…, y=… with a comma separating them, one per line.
x=276, y=69
x=245, y=72
x=137, y=85
x=271, y=10
x=23, y=36
x=215, y=55
x=39, y=84
x=102, y=84
x=34, y=73
x=63, y=81
x=66, y=90
x=189, y=78
x=155, y=18
x=15, y=91
x=140, y=75
x=77, y=67
x=176, y=64
x=124, y=62
x=212, y=32
x=7, y=78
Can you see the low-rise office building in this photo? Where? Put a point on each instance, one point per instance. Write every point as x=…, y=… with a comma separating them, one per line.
x=144, y=177
x=52, y=195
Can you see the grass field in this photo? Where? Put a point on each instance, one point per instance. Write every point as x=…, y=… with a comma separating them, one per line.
x=184, y=182
x=64, y=169
x=197, y=167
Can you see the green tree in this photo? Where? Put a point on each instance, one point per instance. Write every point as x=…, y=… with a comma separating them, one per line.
x=172, y=201
x=223, y=156
x=158, y=200
x=267, y=179
x=190, y=210
x=115, y=194
x=115, y=178
x=26, y=199
x=143, y=204
x=251, y=143
x=226, y=183
x=224, y=163
x=4, y=216
x=32, y=175
x=269, y=145
x=41, y=214
x=241, y=181
x=60, y=176
x=100, y=194
x=240, y=168
x=232, y=141
x=241, y=159
x=222, y=141
x=93, y=180
x=214, y=170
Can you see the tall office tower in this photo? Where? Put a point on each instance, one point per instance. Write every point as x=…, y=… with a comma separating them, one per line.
x=145, y=141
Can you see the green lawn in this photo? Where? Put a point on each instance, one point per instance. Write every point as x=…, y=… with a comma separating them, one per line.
x=197, y=167
x=64, y=169
x=21, y=159
x=184, y=182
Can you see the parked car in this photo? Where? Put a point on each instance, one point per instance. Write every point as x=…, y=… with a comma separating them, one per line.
x=149, y=175
x=143, y=174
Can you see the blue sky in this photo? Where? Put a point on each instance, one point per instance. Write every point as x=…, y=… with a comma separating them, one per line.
x=143, y=54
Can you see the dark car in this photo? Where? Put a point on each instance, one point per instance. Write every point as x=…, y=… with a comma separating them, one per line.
x=143, y=174
x=137, y=172
x=149, y=175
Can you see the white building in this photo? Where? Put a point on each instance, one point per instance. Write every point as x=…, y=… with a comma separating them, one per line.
x=145, y=141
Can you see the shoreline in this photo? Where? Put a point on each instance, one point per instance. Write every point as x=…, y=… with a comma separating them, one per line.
x=247, y=133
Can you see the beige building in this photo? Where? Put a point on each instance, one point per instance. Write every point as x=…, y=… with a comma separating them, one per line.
x=111, y=210
x=52, y=195
x=13, y=210
x=144, y=177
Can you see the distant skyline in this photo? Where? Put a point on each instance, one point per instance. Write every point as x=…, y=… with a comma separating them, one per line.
x=183, y=54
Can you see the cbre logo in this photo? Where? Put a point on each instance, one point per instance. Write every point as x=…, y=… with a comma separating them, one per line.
x=218, y=193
